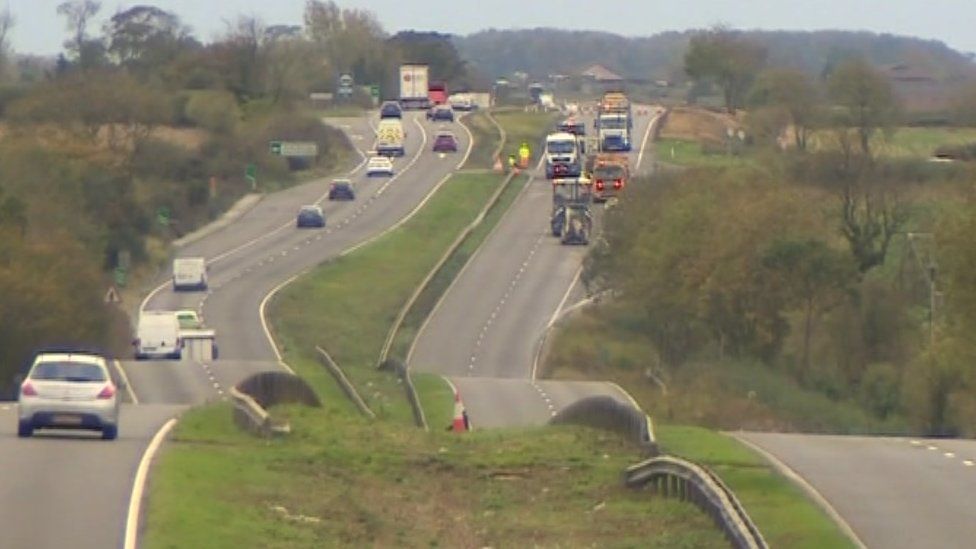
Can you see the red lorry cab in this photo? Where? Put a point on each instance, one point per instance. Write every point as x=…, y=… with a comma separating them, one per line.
x=437, y=93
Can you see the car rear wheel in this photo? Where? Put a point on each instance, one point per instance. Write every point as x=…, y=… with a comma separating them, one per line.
x=110, y=432
x=24, y=429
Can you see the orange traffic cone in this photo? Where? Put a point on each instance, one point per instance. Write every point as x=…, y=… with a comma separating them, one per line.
x=460, y=422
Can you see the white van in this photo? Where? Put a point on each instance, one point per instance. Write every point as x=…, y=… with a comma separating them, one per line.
x=189, y=273
x=158, y=335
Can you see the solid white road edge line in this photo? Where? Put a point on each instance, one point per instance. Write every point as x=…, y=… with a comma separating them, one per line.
x=812, y=492
x=470, y=143
x=139, y=485
x=552, y=321
x=264, y=321
x=647, y=132
x=128, y=384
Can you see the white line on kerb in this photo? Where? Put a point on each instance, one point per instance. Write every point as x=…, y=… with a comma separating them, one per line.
x=128, y=384
x=139, y=485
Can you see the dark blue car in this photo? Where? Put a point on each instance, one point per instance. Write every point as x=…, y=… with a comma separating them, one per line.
x=341, y=190
x=391, y=109
x=310, y=216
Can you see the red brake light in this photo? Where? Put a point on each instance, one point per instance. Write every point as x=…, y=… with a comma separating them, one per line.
x=27, y=389
x=107, y=392
x=599, y=184
x=618, y=183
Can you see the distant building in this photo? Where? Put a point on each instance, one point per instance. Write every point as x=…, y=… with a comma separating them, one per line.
x=603, y=75
x=597, y=78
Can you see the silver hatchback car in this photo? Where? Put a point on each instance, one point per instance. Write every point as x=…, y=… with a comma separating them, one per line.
x=69, y=391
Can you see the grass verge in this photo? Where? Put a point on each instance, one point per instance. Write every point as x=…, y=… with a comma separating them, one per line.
x=486, y=139
x=691, y=153
x=356, y=297
x=340, y=481
x=779, y=508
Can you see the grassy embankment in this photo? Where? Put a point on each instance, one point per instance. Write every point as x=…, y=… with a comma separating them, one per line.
x=353, y=482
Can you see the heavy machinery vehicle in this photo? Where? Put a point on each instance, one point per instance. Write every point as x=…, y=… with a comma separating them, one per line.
x=571, y=220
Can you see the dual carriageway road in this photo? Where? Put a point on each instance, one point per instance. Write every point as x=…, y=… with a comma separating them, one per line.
x=73, y=490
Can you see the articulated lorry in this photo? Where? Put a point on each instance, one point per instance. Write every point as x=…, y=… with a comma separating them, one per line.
x=614, y=123
x=414, y=90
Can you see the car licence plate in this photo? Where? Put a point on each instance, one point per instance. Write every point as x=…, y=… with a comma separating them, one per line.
x=66, y=419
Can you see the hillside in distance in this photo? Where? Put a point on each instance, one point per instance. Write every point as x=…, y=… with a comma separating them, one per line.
x=547, y=51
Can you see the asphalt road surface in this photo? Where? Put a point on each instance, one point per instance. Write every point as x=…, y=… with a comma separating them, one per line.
x=484, y=333
x=62, y=491
x=893, y=492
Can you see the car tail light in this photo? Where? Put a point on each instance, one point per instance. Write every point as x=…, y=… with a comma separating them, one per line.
x=107, y=392
x=27, y=389
x=599, y=184
x=618, y=183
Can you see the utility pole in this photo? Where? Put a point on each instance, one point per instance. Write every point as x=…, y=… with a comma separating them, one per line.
x=931, y=271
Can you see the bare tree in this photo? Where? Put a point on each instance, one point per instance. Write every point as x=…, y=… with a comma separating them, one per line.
x=7, y=22
x=866, y=100
x=78, y=14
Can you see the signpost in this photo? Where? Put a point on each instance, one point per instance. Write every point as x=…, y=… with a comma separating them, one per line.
x=345, y=85
x=294, y=148
x=251, y=174
x=162, y=216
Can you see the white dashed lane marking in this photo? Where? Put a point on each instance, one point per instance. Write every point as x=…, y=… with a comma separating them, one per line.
x=932, y=448
x=498, y=308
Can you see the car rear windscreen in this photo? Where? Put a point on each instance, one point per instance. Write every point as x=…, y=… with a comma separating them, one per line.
x=68, y=371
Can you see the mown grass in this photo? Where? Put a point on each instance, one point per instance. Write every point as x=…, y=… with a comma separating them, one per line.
x=339, y=480
x=681, y=152
x=486, y=139
x=347, y=305
x=528, y=127
x=780, y=509
x=907, y=142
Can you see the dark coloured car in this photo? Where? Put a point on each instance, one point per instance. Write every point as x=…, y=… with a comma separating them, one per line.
x=572, y=126
x=341, y=189
x=445, y=142
x=441, y=113
x=391, y=109
x=310, y=216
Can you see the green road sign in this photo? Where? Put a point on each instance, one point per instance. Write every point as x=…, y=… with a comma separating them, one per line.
x=374, y=91
x=162, y=216
x=120, y=275
x=276, y=147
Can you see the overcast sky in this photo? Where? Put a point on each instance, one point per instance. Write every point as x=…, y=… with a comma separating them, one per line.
x=39, y=30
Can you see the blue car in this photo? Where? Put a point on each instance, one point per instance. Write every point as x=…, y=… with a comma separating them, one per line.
x=391, y=109
x=310, y=216
x=341, y=189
